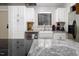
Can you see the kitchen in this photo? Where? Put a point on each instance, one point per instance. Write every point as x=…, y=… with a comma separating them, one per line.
x=35, y=27
x=26, y=14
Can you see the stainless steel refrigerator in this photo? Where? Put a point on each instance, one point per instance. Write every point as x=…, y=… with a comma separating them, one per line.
x=73, y=26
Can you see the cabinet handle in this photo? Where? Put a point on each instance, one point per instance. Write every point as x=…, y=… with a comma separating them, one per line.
x=17, y=47
x=7, y=26
x=22, y=45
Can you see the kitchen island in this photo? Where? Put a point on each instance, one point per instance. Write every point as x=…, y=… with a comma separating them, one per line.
x=57, y=45
x=44, y=35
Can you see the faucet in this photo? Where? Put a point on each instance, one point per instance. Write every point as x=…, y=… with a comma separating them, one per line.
x=44, y=27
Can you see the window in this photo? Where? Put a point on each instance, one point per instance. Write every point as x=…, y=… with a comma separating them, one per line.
x=44, y=19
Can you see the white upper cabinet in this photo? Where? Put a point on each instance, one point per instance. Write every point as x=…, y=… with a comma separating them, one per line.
x=61, y=15
x=16, y=21
x=29, y=14
x=71, y=17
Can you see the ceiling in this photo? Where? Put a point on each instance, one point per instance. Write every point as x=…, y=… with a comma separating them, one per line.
x=58, y=5
x=53, y=4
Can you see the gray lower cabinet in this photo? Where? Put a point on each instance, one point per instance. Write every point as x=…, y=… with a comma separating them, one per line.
x=16, y=47
x=29, y=40
x=21, y=47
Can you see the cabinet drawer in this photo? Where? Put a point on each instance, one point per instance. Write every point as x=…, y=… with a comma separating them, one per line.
x=60, y=36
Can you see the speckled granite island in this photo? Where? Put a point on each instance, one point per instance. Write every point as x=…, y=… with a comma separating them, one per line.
x=54, y=47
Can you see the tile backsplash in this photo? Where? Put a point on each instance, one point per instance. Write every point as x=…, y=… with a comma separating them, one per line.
x=43, y=28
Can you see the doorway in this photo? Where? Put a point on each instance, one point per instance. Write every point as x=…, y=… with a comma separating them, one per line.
x=3, y=30
x=3, y=24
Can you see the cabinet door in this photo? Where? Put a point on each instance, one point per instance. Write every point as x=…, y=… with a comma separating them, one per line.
x=60, y=36
x=61, y=15
x=18, y=48
x=71, y=18
x=29, y=16
x=77, y=8
x=16, y=21
x=20, y=22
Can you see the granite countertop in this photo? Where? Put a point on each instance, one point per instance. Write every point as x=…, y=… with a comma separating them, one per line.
x=31, y=31
x=51, y=31
x=58, y=48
